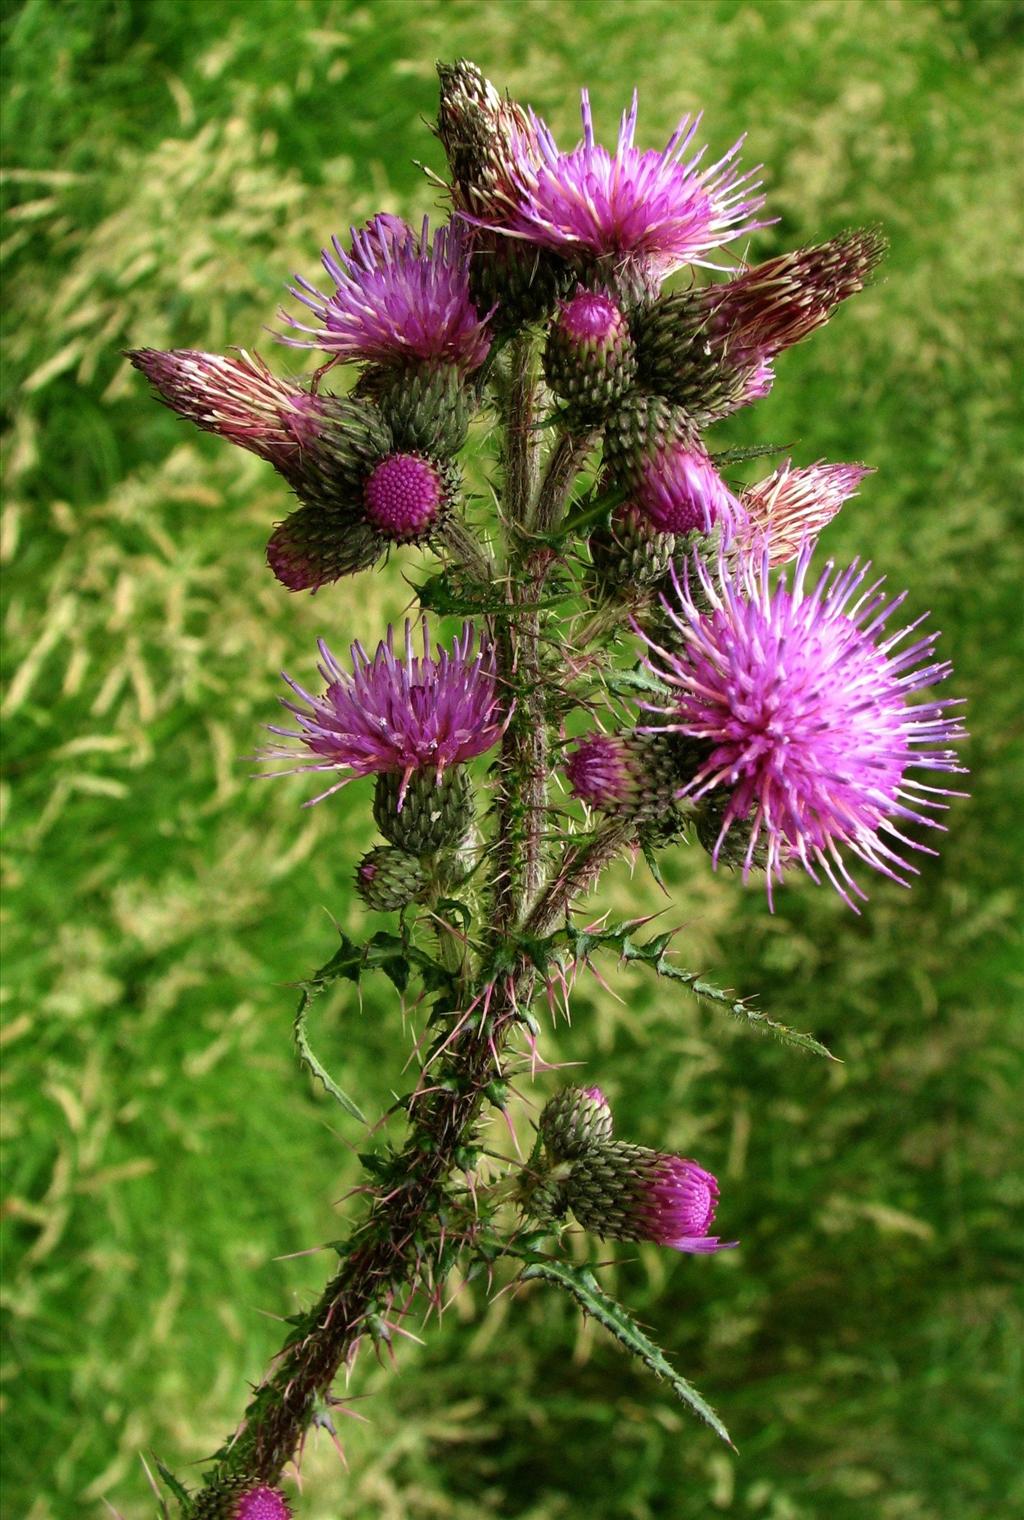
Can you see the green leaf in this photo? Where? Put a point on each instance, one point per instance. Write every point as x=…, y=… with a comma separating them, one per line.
x=178, y=1489
x=581, y=1284
x=654, y=953
x=623, y=683
x=345, y=964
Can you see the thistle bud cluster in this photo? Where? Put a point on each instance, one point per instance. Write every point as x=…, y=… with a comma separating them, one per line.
x=616, y=1190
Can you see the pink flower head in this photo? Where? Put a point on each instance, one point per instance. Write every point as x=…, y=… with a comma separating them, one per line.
x=602, y=771
x=398, y=298
x=262, y=1503
x=590, y=318
x=803, y=697
x=237, y=398
x=403, y=495
x=678, y=1208
x=791, y=506
x=397, y=712
x=637, y=206
x=680, y=491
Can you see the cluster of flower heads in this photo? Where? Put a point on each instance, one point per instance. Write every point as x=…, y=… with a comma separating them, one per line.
x=790, y=716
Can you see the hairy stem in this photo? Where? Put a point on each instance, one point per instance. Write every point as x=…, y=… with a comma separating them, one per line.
x=388, y=1253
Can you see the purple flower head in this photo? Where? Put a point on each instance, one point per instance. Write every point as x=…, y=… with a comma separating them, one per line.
x=262, y=1503
x=237, y=398
x=398, y=712
x=403, y=495
x=642, y=207
x=596, y=1095
x=678, y=1209
x=591, y=319
x=680, y=491
x=790, y=507
x=803, y=696
x=629, y=1192
x=601, y=771
x=398, y=298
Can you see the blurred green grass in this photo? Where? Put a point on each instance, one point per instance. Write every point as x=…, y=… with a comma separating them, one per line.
x=168, y=164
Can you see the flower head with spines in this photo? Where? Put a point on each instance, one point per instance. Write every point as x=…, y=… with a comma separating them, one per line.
x=397, y=712
x=648, y=210
x=399, y=298
x=803, y=698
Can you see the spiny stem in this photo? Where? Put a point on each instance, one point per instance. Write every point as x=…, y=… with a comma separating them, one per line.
x=388, y=1252
x=565, y=461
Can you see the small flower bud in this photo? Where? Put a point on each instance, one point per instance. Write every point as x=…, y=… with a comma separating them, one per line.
x=574, y=1119
x=262, y=1503
x=238, y=1499
x=388, y=879
x=629, y=555
x=631, y=774
x=627, y=1192
x=430, y=811
x=589, y=360
x=653, y=451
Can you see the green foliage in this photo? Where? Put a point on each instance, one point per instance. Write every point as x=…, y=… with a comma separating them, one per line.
x=168, y=165
x=581, y=1284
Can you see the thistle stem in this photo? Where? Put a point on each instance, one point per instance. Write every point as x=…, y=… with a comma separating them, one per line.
x=387, y=1255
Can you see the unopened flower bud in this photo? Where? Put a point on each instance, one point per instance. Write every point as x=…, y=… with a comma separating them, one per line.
x=430, y=812
x=630, y=554
x=574, y=1119
x=652, y=450
x=403, y=496
x=631, y=774
x=627, y=1192
x=239, y=1499
x=388, y=879
x=589, y=359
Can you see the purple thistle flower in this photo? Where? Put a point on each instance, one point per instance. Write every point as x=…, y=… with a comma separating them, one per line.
x=680, y=491
x=648, y=208
x=237, y=398
x=262, y=1503
x=398, y=298
x=790, y=507
x=803, y=697
x=629, y=1192
x=397, y=713
x=602, y=771
x=403, y=495
x=679, y=1207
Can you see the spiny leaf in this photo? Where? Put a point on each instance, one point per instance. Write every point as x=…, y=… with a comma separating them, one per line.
x=178, y=1489
x=346, y=963
x=583, y=1286
x=655, y=954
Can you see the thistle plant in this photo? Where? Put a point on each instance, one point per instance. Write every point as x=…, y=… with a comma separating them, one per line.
x=777, y=712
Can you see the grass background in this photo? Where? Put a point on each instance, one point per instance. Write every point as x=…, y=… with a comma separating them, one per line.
x=168, y=164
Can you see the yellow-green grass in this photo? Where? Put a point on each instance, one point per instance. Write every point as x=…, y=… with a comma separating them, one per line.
x=169, y=163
